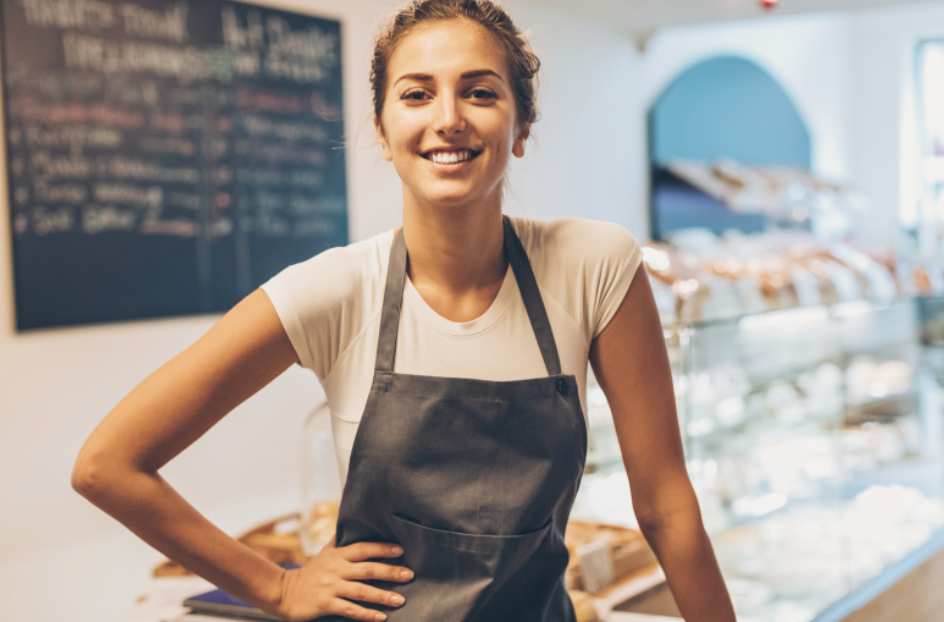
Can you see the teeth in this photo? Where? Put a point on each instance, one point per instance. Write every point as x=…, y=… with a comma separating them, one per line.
x=450, y=157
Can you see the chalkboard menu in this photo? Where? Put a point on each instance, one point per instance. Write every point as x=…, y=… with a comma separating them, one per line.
x=166, y=157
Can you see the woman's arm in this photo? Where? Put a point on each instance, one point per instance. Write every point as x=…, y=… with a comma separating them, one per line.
x=631, y=364
x=117, y=470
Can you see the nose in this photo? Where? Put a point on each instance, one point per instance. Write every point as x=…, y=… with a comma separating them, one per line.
x=448, y=116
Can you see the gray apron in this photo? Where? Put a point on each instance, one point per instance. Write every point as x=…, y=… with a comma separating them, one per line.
x=475, y=479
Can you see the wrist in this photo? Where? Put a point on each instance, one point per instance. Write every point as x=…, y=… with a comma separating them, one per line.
x=279, y=593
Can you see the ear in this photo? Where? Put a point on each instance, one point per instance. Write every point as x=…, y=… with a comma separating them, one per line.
x=518, y=147
x=382, y=140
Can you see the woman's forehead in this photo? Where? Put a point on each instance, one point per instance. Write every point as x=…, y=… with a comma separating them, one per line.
x=447, y=49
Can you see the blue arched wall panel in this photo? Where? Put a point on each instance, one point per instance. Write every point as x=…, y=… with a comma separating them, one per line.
x=728, y=107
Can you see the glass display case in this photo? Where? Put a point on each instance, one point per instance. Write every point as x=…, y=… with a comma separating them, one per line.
x=813, y=438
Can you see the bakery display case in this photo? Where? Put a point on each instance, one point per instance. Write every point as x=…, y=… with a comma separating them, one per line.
x=813, y=440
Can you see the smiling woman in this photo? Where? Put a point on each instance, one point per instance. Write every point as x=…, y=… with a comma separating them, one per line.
x=453, y=353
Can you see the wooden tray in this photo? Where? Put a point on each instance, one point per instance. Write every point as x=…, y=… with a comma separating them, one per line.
x=628, y=548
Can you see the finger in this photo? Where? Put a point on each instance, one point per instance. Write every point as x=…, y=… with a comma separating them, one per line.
x=364, y=593
x=347, y=609
x=367, y=571
x=369, y=550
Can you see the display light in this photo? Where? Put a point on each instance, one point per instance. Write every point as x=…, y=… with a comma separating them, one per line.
x=769, y=4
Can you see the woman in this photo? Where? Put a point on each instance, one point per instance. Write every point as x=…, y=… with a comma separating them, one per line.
x=453, y=352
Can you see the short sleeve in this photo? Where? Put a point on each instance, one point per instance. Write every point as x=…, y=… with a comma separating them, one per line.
x=584, y=266
x=617, y=256
x=315, y=301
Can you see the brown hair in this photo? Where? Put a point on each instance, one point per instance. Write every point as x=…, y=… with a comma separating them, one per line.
x=523, y=65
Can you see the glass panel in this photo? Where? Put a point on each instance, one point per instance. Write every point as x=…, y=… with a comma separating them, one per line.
x=814, y=440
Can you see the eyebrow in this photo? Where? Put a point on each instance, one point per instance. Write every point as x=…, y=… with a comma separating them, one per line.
x=468, y=75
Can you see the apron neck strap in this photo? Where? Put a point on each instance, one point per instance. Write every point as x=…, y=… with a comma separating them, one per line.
x=527, y=285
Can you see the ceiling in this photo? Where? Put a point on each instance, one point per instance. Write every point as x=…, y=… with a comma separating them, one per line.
x=642, y=18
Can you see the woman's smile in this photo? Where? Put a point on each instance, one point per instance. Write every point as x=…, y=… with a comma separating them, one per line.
x=451, y=160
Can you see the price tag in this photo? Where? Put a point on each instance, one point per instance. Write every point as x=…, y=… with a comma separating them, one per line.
x=596, y=565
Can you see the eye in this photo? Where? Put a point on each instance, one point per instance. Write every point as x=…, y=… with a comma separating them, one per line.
x=414, y=95
x=481, y=93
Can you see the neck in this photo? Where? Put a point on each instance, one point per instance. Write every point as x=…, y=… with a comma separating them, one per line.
x=455, y=249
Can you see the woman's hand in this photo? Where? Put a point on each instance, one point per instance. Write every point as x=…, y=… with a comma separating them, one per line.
x=328, y=583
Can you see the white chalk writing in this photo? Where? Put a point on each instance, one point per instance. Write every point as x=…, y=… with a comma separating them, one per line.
x=312, y=44
x=221, y=228
x=74, y=137
x=170, y=24
x=261, y=126
x=299, y=70
x=236, y=36
x=99, y=218
x=167, y=145
x=31, y=109
x=129, y=194
x=180, y=227
x=307, y=228
x=70, y=14
x=124, y=167
x=52, y=221
x=108, y=56
x=75, y=167
x=73, y=194
x=179, y=199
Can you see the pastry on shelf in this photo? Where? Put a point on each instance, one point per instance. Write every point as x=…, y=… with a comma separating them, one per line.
x=823, y=272
x=687, y=282
x=629, y=550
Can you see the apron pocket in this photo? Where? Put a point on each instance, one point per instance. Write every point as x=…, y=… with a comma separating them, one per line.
x=457, y=573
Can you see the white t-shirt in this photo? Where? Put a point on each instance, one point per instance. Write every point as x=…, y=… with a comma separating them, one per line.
x=330, y=307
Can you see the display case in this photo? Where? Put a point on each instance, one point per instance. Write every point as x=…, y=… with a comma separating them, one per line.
x=813, y=438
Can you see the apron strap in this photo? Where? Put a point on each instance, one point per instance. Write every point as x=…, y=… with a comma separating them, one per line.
x=527, y=285
x=531, y=296
x=393, y=298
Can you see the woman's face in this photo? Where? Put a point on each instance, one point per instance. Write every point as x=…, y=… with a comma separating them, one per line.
x=449, y=118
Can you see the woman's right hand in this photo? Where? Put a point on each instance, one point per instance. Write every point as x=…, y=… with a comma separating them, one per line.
x=329, y=582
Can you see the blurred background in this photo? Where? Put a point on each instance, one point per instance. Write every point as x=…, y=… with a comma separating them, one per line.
x=782, y=161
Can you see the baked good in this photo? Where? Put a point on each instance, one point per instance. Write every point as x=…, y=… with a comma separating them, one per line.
x=583, y=606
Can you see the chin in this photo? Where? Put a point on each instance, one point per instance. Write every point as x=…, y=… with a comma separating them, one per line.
x=454, y=197
x=454, y=200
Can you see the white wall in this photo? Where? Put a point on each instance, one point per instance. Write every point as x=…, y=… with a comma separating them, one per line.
x=589, y=154
x=882, y=107
x=56, y=385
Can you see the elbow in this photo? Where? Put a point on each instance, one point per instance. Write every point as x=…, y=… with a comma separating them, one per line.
x=89, y=475
x=669, y=513
x=85, y=477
